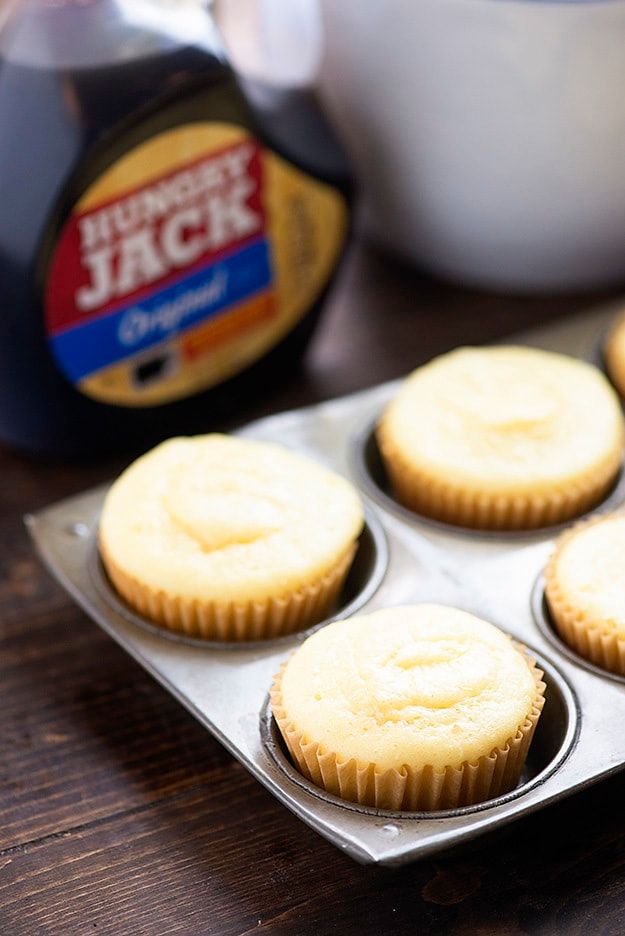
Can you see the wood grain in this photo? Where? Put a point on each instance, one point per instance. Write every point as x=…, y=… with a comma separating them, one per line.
x=224, y=858
x=120, y=815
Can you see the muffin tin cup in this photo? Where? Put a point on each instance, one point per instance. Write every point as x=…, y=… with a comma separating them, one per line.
x=370, y=475
x=402, y=559
x=596, y=351
x=545, y=623
x=363, y=579
x=408, y=789
x=555, y=735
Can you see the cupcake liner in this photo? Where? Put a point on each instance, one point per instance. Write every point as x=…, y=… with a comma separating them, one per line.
x=594, y=640
x=613, y=357
x=481, y=510
x=411, y=789
x=252, y=620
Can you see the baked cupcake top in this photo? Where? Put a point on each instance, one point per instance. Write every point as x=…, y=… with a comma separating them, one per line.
x=420, y=685
x=222, y=519
x=506, y=420
x=585, y=584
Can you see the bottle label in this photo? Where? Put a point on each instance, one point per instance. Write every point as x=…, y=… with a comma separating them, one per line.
x=186, y=261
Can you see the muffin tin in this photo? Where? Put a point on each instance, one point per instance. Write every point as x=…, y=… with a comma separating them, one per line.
x=401, y=559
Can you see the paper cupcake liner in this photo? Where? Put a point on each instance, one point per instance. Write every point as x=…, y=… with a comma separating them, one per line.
x=411, y=789
x=614, y=363
x=593, y=639
x=253, y=620
x=482, y=510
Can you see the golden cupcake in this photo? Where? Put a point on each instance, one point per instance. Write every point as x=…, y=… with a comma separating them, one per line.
x=224, y=538
x=585, y=590
x=410, y=708
x=502, y=438
x=614, y=354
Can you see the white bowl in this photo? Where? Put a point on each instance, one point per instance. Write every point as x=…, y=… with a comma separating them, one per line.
x=489, y=135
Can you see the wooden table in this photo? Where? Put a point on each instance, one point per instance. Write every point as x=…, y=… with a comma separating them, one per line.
x=120, y=815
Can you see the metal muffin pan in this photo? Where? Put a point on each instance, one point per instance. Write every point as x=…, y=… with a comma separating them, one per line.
x=402, y=559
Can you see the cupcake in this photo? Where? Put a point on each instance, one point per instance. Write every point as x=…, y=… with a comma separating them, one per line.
x=224, y=538
x=502, y=438
x=585, y=590
x=614, y=354
x=410, y=708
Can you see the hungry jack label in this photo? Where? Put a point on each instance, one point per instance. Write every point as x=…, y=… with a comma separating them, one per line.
x=184, y=262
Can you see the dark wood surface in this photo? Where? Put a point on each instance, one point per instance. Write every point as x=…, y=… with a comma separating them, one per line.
x=120, y=815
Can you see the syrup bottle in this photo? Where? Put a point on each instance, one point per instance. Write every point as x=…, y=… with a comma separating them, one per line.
x=167, y=230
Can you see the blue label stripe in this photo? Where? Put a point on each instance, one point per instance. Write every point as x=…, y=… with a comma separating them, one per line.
x=93, y=345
